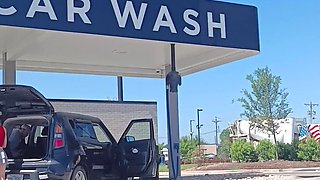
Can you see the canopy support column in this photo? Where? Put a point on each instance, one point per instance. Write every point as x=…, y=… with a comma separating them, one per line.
x=9, y=70
x=173, y=79
x=120, y=88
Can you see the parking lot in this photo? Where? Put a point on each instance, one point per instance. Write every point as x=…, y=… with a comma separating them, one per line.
x=261, y=174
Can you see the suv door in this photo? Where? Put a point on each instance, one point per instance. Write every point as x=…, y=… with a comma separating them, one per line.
x=96, y=144
x=138, y=150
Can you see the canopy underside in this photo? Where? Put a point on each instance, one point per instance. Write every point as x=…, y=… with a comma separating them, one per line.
x=52, y=51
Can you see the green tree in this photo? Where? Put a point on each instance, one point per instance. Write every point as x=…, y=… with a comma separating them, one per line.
x=288, y=151
x=265, y=150
x=266, y=103
x=309, y=150
x=187, y=147
x=225, y=144
x=242, y=151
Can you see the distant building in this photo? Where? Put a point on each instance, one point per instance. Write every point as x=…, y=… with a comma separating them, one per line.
x=210, y=150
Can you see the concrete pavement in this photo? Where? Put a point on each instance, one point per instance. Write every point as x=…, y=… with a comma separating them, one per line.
x=294, y=173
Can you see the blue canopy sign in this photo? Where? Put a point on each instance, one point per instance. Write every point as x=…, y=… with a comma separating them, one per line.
x=202, y=22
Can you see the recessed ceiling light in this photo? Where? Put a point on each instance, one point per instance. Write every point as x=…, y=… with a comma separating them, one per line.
x=118, y=51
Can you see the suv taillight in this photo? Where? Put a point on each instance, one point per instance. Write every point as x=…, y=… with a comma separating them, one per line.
x=58, y=137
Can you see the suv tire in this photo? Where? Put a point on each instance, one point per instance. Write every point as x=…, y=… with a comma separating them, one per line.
x=151, y=178
x=79, y=174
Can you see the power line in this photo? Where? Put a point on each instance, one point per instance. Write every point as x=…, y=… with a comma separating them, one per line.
x=210, y=132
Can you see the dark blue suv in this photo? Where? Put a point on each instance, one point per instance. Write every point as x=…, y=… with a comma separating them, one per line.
x=73, y=146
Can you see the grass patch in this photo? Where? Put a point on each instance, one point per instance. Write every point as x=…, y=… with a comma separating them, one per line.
x=164, y=168
x=235, y=168
x=187, y=166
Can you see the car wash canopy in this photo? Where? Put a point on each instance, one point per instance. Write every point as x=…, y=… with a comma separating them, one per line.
x=224, y=31
x=127, y=38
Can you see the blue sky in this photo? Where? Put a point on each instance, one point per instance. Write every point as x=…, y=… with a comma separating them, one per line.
x=289, y=41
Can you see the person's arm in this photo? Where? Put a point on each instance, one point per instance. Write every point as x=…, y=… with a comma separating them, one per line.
x=14, y=142
x=14, y=139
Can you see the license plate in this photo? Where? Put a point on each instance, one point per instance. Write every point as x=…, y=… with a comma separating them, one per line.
x=14, y=177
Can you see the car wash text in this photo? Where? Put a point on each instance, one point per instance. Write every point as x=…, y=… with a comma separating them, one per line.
x=163, y=19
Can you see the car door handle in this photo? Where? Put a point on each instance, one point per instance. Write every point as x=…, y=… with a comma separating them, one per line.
x=134, y=150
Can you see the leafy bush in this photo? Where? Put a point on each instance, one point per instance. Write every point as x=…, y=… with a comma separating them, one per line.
x=265, y=150
x=224, y=150
x=309, y=150
x=187, y=147
x=225, y=143
x=288, y=151
x=242, y=151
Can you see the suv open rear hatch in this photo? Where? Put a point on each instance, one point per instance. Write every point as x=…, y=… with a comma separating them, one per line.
x=22, y=100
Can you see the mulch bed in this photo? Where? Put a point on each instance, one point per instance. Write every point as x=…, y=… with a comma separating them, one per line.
x=260, y=165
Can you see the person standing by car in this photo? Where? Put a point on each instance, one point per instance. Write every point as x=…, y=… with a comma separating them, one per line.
x=17, y=144
x=3, y=156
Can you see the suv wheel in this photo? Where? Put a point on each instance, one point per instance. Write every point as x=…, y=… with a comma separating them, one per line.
x=79, y=174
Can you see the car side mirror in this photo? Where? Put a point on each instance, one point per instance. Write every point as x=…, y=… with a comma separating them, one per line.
x=130, y=138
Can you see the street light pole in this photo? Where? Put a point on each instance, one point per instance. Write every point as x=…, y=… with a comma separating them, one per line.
x=191, y=132
x=199, y=126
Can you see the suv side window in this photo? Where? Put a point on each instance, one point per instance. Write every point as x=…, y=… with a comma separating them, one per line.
x=100, y=133
x=87, y=129
x=84, y=130
x=138, y=132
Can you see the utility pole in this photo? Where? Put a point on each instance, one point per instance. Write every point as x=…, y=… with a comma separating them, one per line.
x=311, y=111
x=216, y=121
x=191, y=132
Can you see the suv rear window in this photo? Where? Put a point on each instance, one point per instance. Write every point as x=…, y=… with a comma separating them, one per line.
x=40, y=132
